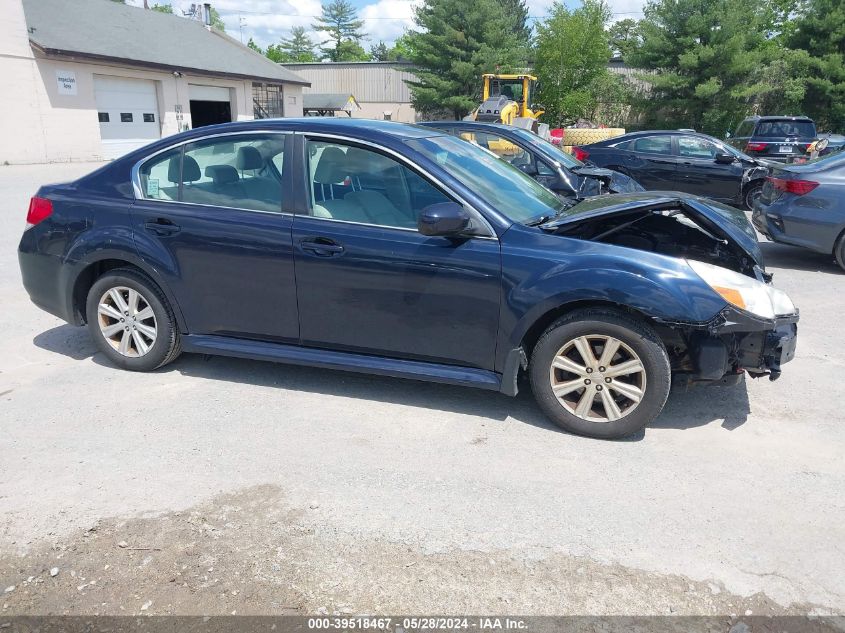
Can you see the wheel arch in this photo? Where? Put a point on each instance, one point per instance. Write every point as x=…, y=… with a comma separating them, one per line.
x=88, y=271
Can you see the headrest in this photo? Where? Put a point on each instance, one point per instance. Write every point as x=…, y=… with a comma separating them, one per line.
x=222, y=174
x=331, y=167
x=248, y=158
x=190, y=170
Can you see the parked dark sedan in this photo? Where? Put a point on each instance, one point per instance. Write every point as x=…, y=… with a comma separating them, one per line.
x=778, y=138
x=683, y=161
x=804, y=205
x=391, y=249
x=549, y=165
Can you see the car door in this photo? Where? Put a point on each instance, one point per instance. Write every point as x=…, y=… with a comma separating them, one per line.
x=649, y=161
x=699, y=173
x=369, y=282
x=210, y=215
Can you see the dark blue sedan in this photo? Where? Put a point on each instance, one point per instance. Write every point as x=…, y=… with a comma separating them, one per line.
x=391, y=249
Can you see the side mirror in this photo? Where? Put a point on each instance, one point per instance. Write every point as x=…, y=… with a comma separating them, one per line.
x=444, y=219
x=725, y=159
x=529, y=169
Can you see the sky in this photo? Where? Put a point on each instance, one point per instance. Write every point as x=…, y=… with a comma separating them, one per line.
x=267, y=21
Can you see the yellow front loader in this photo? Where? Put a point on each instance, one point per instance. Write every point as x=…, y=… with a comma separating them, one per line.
x=507, y=99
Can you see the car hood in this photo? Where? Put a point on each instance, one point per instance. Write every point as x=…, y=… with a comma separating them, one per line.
x=615, y=182
x=726, y=223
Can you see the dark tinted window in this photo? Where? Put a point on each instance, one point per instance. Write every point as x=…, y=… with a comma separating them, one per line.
x=149, y=117
x=785, y=127
x=126, y=117
x=103, y=117
x=652, y=145
x=746, y=128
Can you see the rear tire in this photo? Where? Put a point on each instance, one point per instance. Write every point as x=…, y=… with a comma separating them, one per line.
x=610, y=395
x=839, y=251
x=131, y=321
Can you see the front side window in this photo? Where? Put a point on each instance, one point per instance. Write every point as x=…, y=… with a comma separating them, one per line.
x=239, y=172
x=653, y=145
x=692, y=147
x=504, y=149
x=355, y=184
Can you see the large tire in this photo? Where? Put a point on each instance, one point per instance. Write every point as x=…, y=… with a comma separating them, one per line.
x=131, y=321
x=839, y=251
x=621, y=399
x=751, y=193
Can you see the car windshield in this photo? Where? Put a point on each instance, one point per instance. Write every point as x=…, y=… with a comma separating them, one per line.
x=501, y=185
x=786, y=127
x=567, y=160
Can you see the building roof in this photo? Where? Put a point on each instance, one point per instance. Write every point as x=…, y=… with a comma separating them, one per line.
x=113, y=31
x=326, y=102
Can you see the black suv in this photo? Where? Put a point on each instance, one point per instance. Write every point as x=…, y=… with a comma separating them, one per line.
x=780, y=138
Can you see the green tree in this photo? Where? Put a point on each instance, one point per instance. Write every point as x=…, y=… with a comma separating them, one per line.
x=571, y=60
x=624, y=37
x=251, y=44
x=401, y=51
x=379, y=52
x=455, y=43
x=704, y=58
x=818, y=40
x=163, y=8
x=217, y=21
x=339, y=20
x=296, y=48
x=516, y=11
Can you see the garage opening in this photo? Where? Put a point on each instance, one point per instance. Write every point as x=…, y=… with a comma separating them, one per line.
x=210, y=112
x=127, y=110
x=209, y=105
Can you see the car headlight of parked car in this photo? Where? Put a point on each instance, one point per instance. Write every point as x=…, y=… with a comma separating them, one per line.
x=745, y=293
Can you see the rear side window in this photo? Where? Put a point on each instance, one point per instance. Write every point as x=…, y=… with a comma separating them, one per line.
x=746, y=128
x=160, y=176
x=652, y=145
x=239, y=172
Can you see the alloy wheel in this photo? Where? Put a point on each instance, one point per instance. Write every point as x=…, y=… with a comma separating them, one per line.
x=597, y=378
x=127, y=321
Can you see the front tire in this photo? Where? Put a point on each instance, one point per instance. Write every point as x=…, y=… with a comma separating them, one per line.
x=131, y=321
x=600, y=373
x=752, y=192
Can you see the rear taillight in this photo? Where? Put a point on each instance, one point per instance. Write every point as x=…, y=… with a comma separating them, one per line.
x=755, y=147
x=798, y=187
x=580, y=154
x=39, y=210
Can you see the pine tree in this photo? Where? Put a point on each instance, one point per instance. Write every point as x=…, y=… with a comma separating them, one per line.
x=297, y=48
x=819, y=32
x=516, y=11
x=379, y=52
x=340, y=22
x=456, y=42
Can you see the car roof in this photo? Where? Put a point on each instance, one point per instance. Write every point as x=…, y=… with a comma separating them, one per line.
x=645, y=133
x=774, y=117
x=339, y=125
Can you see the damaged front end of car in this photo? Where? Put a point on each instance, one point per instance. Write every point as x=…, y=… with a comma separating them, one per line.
x=754, y=333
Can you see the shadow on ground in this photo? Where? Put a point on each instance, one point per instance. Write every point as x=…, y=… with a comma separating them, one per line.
x=697, y=407
x=794, y=258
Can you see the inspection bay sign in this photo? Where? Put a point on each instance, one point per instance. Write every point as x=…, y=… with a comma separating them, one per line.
x=66, y=80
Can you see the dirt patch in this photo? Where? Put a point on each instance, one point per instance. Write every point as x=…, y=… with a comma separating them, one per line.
x=251, y=553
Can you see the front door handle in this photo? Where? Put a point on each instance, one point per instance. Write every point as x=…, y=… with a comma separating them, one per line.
x=321, y=247
x=162, y=226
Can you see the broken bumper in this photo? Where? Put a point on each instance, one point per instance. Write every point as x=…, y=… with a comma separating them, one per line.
x=735, y=343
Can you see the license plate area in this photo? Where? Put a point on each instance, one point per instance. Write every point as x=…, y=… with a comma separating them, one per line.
x=785, y=149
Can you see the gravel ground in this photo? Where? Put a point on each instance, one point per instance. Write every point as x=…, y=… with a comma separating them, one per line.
x=222, y=485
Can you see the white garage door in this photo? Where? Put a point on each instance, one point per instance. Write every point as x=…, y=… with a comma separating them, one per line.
x=128, y=113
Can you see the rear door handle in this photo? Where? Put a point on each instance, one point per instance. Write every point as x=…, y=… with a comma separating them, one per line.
x=162, y=226
x=321, y=246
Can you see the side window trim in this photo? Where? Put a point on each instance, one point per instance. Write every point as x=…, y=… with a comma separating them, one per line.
x=304, y=202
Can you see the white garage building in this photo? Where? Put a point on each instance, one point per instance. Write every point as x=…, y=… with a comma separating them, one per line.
x=94, y=79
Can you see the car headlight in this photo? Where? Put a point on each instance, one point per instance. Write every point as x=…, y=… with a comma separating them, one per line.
x=744, y=292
